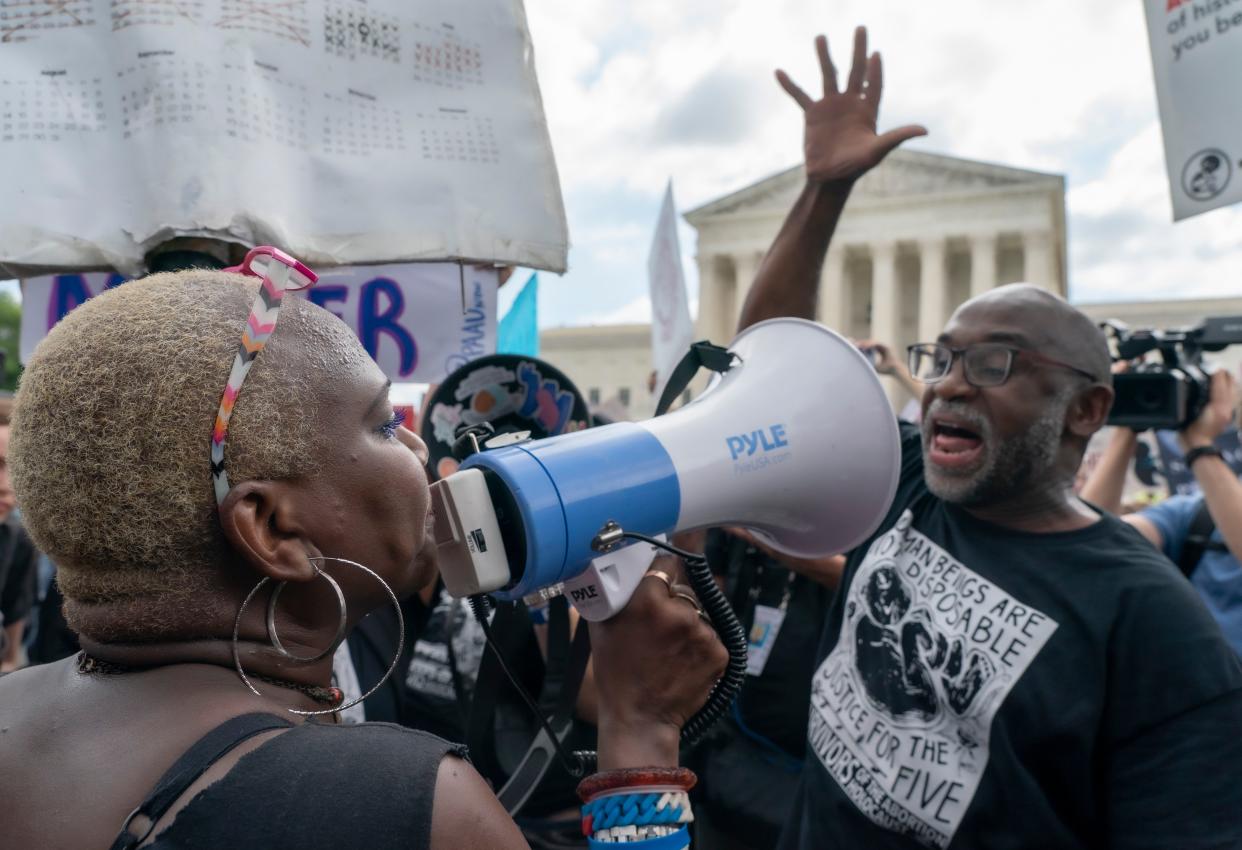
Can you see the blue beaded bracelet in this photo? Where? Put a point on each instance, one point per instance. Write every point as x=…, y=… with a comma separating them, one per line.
x=656, y=807
x=679, y=840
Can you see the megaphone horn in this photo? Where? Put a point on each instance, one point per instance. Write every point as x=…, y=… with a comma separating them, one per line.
x=797, y=442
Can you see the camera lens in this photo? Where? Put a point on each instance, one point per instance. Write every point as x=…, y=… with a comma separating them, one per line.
x=1149, y=400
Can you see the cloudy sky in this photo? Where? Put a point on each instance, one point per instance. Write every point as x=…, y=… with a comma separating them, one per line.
x=638, y=91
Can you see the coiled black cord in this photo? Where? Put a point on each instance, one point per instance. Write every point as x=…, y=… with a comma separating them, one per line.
x=582, y=762
x=727, y=626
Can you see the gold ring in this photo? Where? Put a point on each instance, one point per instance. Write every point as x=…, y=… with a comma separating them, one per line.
x=662, y=576
x=695, y=602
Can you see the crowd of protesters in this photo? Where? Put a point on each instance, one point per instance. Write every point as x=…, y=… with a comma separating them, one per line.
x=1003, y=664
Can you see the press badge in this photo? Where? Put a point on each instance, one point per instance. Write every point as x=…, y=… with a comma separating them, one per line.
x=763, y=634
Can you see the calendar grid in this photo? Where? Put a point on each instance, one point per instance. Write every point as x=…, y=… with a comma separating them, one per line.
x=352, y=31
x=356, y=124
x=137, y=13
x=265, y=108
x=454, y=135
x=23, y=20
x=445, y=59
x=51, y=108
x=287, y=19
x=161, y=93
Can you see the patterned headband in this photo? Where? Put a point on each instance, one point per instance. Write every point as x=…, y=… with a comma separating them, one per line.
x=281, y=273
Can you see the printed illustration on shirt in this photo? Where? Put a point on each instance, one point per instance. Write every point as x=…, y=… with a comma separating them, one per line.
x=902, y=706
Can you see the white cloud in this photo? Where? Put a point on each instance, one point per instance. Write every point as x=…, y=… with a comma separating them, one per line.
x=640, y=91
x=635, y=312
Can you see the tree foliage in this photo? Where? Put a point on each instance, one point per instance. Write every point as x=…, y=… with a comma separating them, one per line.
x=10, y=339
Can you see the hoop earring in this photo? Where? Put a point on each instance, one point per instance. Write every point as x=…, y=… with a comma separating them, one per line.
x=271, y=620
x=336, y=642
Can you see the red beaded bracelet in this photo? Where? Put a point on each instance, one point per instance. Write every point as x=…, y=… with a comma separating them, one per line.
x=635, y=777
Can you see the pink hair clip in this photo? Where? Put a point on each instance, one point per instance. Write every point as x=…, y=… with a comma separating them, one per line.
x=281, y=273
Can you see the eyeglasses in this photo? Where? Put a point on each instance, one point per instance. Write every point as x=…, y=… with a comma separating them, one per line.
x=280, y=273
x=985, y=364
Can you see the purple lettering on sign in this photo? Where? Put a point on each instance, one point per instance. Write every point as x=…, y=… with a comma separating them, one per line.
x=322, y=296
x=372, y=322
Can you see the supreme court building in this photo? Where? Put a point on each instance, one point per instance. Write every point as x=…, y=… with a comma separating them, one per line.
x=921, y=233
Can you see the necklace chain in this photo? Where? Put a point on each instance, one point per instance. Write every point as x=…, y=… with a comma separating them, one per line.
x=89, y=665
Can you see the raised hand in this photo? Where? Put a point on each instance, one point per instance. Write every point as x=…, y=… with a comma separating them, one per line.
x=841, y=143
x=885, y=362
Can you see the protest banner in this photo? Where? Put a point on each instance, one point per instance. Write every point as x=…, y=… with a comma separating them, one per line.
x=671, y=329
x=419, y=321
x=1196, y=54
x=344, y=132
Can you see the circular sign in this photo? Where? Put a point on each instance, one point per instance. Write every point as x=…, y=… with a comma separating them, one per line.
x=1206, y=174
x=507, y=391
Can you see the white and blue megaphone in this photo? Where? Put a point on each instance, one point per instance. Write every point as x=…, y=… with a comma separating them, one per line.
x=797, y=441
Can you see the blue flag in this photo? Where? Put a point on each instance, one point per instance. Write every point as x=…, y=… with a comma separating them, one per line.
x=519, y=329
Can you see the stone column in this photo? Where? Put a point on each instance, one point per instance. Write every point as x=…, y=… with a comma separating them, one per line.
x=1039, y=260
x=933, y=289
x=885, y=309
x=747, y=265
x=982, y=263
x=715, y=300
x=885, y=306
x=834, y=292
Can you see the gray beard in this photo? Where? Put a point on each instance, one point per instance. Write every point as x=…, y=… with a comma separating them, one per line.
x=1009, y=466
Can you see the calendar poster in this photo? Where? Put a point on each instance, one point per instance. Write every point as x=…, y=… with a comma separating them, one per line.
x=418, y=321
x=344, y=131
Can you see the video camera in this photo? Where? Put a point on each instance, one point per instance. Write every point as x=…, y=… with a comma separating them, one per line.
x=1171, y=393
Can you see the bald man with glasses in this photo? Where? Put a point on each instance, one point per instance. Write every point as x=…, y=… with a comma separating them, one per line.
x=1003, y=666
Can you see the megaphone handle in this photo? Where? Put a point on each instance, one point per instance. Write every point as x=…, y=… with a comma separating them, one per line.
x=732, y=635
x=727, y=626
x=724, y=621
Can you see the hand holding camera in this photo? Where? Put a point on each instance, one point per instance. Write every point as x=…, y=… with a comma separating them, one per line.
x=1217, y=415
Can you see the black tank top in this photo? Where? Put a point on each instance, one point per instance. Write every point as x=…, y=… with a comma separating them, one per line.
x=312, y=787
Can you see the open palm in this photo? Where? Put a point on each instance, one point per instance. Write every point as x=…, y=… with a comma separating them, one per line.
x=841, y=142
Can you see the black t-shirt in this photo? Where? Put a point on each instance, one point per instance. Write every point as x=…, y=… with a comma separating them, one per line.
x=773, y=703
x=749, y=763
x=981, y=687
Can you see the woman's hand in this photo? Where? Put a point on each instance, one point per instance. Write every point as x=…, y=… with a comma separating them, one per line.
x=655, y=664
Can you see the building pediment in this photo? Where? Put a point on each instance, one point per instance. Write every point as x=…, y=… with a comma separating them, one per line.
x=903, y=174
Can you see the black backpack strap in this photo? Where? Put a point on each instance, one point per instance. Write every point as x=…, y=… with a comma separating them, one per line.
x=1199, y=540
x=510, y=629
x=563, y=672
x=702, y=355
x=558, y=700
x=193, y=762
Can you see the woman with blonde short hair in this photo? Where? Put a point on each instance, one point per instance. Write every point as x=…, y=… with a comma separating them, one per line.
x=203, y=529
